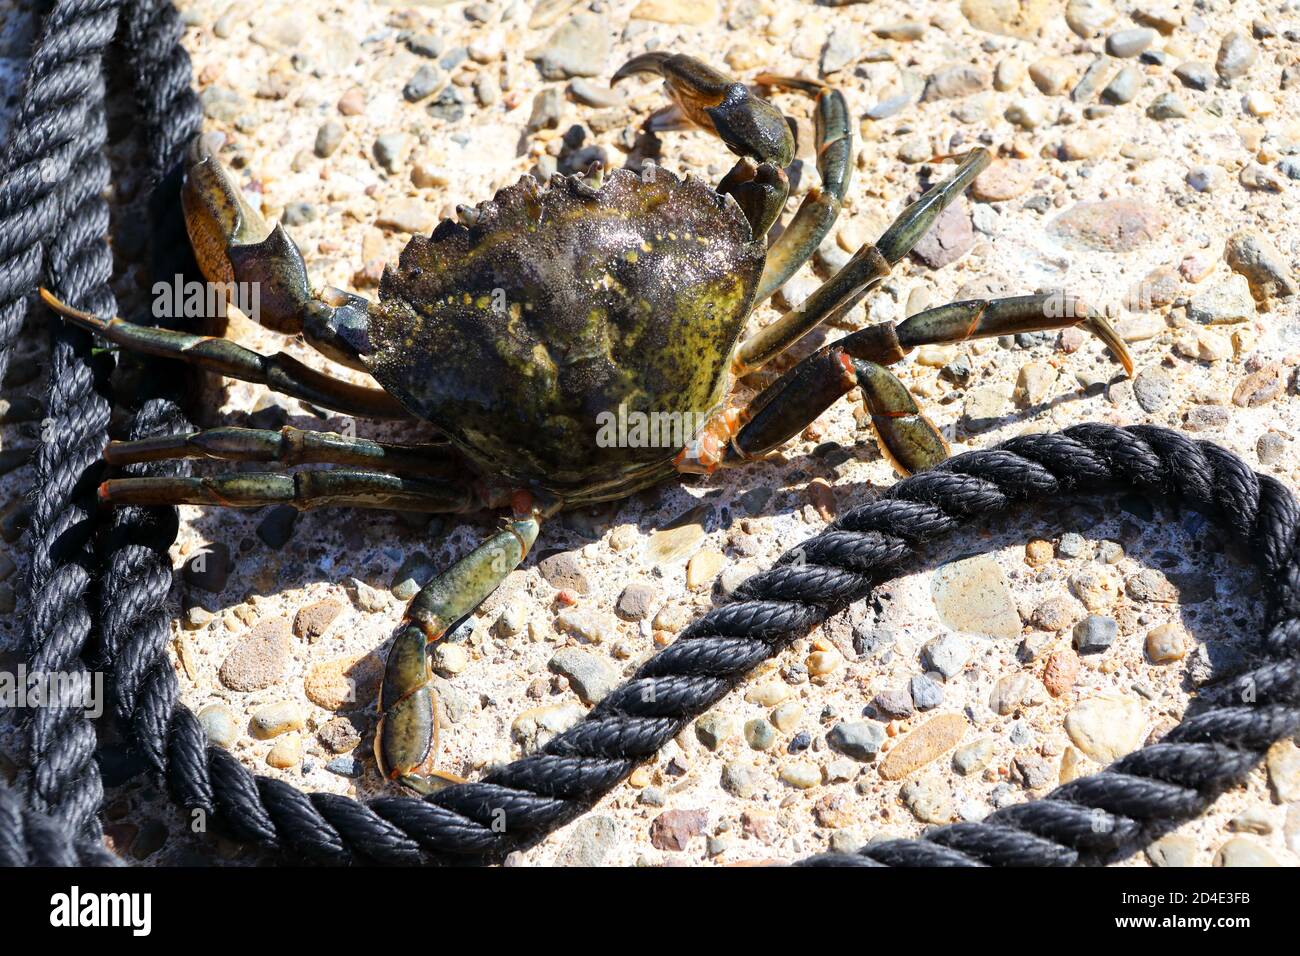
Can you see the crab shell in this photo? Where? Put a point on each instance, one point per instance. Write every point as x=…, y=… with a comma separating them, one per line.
x=523, y=336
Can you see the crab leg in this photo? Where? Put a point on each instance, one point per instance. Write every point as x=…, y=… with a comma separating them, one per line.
x=407, y=735
x=868, y=267
x=821, y=205
x=280, y=372
x=905, y=436
x=338, y=487
x=288, y=446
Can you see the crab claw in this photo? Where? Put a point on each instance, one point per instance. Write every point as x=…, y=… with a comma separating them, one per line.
x=749, y=125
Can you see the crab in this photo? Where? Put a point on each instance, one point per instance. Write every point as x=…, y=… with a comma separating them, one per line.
x=518, y=330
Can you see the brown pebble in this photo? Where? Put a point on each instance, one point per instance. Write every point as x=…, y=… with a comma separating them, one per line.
x=344, y=681
x=1061, y=672
x=936, y=736
x=312, y=621
x=259, y=658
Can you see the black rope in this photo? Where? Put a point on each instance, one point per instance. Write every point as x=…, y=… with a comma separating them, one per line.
x=1090, y=820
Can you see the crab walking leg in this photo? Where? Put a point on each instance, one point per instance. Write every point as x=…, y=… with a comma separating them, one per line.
x=862, y=273
x=290, y=446
x=280, y=372
x=338, y=487
x=407, y=735
x=821, y=205
x=905, y=436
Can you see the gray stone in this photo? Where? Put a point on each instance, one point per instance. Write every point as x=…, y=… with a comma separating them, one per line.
x=739, y=779
x=946, y=655
x=859, y=739
x=1167, y=106
x=929, y=799
x=562, y=570
x=1228, y=302
x=972, y=595
x=426, y=81
x=759, y=734
x=1240, y=851
x=1172, y=850
x=1095, y=633
x=1236, y=56
x=956, y=81
x=579, y=47
x=1126, y=43
x=1194, y=75
x=894, y=702
x=1015, y=691
x=926, y=693
x=1124, y=86
x=636, y=602
x=973, y=757
x=714, y=729
x=588, y=841
x=388, y=151
x=328, y=138
x=416, y=571
x=1266, y=270
x=591, y=676
x=841, y=50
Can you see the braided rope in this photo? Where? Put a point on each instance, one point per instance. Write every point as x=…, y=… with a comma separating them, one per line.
x=1092, y=819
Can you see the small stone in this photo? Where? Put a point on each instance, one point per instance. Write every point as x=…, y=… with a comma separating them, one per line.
x=946, y=655
x=534, y=728
x=592, y=676
x=1149, y=585
x=1002, y=180
x=926, y=693
x=416, y=571
x=1014, y=692
x=929, y=799
x=759, y=734
x=1256, y=258
x=1033, y=384
x=450, y=659
x=588, y=841
x=579, y=47
x=840, y=51
x=1167, y=106
x=311, y=622
x=1260, y=387
x=956, y=81
x=1095, y=634
x=927, y=742
x=339, y=735
x=209, y=569
x=895, y=702
x=1124, y=87
x=1194, y=75
x=259, y=658
x=1088, y=18
x=591, y=626
x=1038, y=552
x=983, y=407
x=801, y=774
x=972, y=595
x=1033, y=771
x=1091, y=81
x=1061, y=672
x=1052, y=75
x=344, y=682
x=1236, y=56
x=636, y=601
x=1027, y=114
x=1165, y=644
x=673, y=829
x=1271, y=448
x=950, y=238
x=1260, y=178
x=426, y=81
x=859, y=739
x=272, y=720
x=1259, y=103
x=219, y=724
x=286, y=754
x=368, y=599
x=973, y=757
x=1015, y=18
x=1115, y=225
x=563, y=571
x=1239, y=851
x=739, y=779
x=1009, y=74
x=1097, y=587
x=1106, y=727
x=1229, y=301
x=1172, y=850
x=1152, y=388
x=1126, y=43
x=703, y=567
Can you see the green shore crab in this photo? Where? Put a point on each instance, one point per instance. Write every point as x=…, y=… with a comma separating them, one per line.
x=517, y=330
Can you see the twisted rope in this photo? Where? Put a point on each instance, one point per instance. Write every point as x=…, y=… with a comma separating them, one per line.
x=1089, y=820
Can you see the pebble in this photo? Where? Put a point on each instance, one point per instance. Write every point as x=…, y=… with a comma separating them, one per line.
x=588, y=841
x=931, y=740
x=1088, y=18
x=339, y=735
x=1126, y=43
x=1227, y=302
x=759, y=734
x=929, y=799
x=1014, y=18
x=859, y=739
x=1165, y=644
x=209, y=569
x=739, y=779
x=563, y=571
x=1172, y=850
x=1271, y=448
x=1236, y=56
x=972, y=595
x=1002, y=180
x=1015, y=691
x=312, y=621
x=945, y=655
x=1260, y=387
x=956, y=81
x=636, y=601
x=1091, y=81
x=1052, y=75
x=1124, y=86
x=673, y=829
x=534, y=728
x=1097, y=587
x=591, y=626
x=426, y=81
x=1095, y=634
x=973, y=757
x=219, y=725
x=578, y=47
x=1106, y=727
x=344, y=682
x=416, y=571
x=1167, y=106
x=1149, y=585
x=1009, y=74
x=272, y=720
x=1034, y=772
x=1265, y=269
x=592, y=676
x=1061, y=672
x=1205, y=179
x=1194, y=75
x=926, y=693
x=840, y=51
x=1055, y=613
x=1112, y=225
x=286, y=754
x=801, y=774
x=1033, y=384
x=1283, y=763
x=895, y=702
x=1240, y=851
x=450, y=659
x=1260, y=178
x=259, y=658
x=1027, y=114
